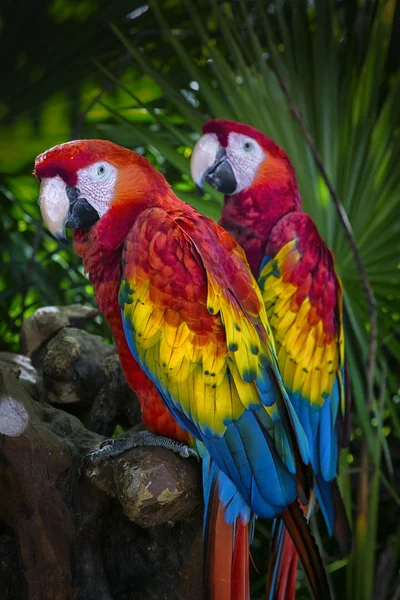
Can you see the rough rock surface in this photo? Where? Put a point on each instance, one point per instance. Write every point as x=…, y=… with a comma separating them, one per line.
x=72, y=366
x=61, y=536
x=115, y=402
x=22, y=368
x=46, y=321
x=152, y=487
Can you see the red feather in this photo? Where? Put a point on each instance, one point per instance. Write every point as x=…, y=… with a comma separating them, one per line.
x=226, y=569
x=314, y=275
x=286, y=560
x=297, y=527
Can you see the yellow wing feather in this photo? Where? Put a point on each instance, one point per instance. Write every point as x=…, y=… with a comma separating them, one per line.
x=210, y=374
x=308, y=362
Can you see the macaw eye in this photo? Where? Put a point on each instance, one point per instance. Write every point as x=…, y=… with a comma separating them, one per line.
x=101, y=170
x=248, y=146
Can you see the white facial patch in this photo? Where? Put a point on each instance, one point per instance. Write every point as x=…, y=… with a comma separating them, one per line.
x=97, y=184
x=245, y=156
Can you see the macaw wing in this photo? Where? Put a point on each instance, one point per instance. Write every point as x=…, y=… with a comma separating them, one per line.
x=303, y=299
x=194, y=320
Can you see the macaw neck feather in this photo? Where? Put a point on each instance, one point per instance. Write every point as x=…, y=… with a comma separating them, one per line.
x=251, y=215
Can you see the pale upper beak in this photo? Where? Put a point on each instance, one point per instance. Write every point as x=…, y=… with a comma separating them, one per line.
x=203, y=157
x=209, y=163
x=54, y=205
x=63, y=206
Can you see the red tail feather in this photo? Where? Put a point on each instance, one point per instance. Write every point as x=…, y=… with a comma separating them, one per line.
x=283, y=561
x=307, y=550
x=240, y=563
x=297, y=542
x=287, y=573
x=292, y=576
x=227, y=557
x=282, y=566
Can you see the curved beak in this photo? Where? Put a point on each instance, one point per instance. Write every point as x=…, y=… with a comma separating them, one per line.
x=62, y=206
x=209, y=163
x=54, y=205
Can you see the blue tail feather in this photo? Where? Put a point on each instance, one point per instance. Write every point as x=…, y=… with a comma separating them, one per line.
x=278, y=529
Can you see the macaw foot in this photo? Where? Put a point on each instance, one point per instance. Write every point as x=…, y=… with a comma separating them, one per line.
x=137, y=439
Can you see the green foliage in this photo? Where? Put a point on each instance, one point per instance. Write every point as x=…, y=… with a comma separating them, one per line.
x=149, y=82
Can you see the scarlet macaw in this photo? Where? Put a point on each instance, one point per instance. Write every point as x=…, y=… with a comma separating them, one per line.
x=303, y=299
x=183, y=306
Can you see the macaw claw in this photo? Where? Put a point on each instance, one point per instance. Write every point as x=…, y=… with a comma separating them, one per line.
x=115, y=447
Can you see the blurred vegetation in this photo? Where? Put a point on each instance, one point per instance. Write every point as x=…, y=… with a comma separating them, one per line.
x=147, y=76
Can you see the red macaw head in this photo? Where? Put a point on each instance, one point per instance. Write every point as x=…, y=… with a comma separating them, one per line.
x=232, y=157
x=81, y=180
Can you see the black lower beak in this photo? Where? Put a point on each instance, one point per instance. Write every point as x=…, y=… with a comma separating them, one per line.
x=221, y=176
x=81, y=214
